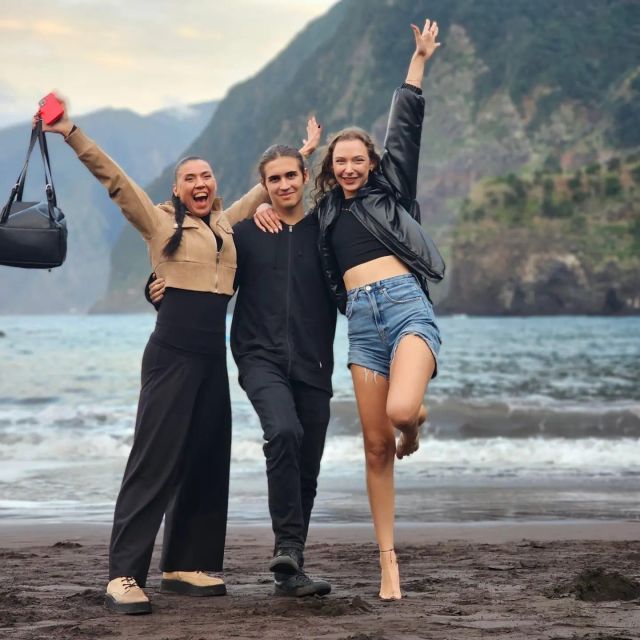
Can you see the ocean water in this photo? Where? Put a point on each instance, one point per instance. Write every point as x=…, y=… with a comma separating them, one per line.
x=530, y=419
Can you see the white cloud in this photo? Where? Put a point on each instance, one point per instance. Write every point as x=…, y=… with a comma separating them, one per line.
x=12, y=25
x=51, y=28
x=131, y=54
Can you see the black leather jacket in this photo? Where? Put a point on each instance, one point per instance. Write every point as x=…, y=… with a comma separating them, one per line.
x=386, y=205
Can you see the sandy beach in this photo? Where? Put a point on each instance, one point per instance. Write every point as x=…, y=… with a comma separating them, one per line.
x=574, y=580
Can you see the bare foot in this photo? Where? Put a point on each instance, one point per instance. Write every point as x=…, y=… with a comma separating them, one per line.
x=409, y=441
x=390, y=576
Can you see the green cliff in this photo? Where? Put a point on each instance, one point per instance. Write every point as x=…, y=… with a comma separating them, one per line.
x=516, y=87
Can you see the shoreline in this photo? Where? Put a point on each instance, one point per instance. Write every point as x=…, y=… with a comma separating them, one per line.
x=15, y=534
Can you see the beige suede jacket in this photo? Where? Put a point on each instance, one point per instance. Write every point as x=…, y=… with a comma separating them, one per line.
x=197, y=265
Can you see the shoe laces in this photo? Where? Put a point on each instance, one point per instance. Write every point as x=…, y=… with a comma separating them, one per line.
x=300, y=579
x=129, y=583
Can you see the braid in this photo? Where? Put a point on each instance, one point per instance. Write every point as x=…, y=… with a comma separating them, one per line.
x=174, y=241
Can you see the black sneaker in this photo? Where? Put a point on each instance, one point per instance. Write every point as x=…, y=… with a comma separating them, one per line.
x=299, y=585
x=286, y=560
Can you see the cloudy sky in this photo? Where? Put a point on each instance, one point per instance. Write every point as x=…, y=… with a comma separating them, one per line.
x=140, y=54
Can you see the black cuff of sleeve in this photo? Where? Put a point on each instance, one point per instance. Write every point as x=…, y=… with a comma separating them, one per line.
x=70, y=132
x=412, y=87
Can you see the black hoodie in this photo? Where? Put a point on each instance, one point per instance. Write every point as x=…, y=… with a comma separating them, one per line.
x=284, y=311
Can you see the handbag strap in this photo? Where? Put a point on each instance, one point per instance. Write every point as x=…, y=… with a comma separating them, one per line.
x=18, y=188
x=23, y=174
x=48, y=176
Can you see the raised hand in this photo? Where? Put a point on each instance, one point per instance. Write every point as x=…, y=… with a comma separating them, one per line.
x=426, y=39
x=62, y=126
x=311, y=142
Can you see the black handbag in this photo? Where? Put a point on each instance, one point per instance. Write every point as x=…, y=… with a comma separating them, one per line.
x=33, y=235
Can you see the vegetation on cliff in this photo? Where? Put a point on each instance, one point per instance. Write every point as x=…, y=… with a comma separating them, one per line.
x=550, y=242
x=596, y=208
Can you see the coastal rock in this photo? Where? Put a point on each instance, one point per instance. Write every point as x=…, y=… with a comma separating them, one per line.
x=516, y=273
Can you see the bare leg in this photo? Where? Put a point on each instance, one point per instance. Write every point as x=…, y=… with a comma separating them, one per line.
x=379, y=447
x=411, y=369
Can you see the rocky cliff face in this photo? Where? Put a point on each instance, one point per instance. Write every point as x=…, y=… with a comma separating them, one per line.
x=550, y=243
x=517, y=273
x=516, y=87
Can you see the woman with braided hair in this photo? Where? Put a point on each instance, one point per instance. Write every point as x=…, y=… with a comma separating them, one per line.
x=179, y=462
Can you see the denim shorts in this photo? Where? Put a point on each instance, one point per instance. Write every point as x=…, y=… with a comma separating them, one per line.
x=380, y=314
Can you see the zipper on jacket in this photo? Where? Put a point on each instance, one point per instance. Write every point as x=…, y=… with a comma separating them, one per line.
x=218, y=252
x=217, y=271
x=288, y=309
x=218, y=258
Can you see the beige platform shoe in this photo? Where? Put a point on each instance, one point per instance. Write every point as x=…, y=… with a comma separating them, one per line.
x=192, y=583
x=125, y=596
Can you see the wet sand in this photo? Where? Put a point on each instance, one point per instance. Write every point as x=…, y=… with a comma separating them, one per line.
x=511, y=581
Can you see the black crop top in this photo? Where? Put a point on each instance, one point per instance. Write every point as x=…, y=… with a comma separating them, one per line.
x=352, y=243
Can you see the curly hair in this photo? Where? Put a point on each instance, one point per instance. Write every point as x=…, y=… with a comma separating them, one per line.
x=326, y=179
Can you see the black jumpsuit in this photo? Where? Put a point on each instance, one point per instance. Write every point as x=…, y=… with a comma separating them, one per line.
x=179, y=463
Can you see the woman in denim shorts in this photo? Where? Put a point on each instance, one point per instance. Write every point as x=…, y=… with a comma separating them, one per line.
x=369, y=238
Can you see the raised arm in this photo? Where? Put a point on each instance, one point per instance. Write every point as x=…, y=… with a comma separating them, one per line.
x=425, y=47
x=133, y=201
x=399, y=162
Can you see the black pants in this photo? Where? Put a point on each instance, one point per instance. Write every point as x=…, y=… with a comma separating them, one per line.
x=294, y=418
x=178, y=466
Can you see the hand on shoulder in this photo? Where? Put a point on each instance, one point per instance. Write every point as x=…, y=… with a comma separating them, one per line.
x=266, y=219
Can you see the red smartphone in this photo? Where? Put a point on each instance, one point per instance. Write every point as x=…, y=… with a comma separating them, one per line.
x=51, y=109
